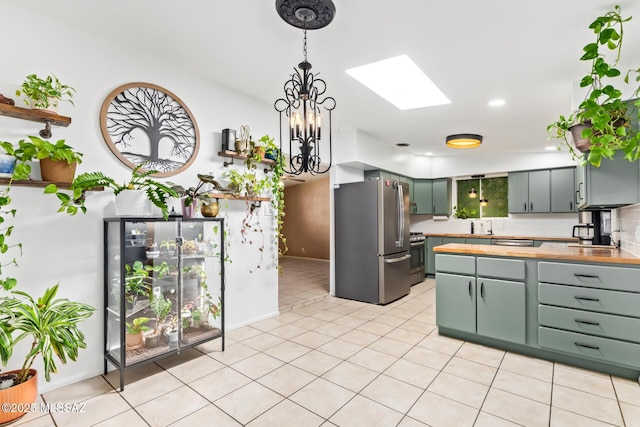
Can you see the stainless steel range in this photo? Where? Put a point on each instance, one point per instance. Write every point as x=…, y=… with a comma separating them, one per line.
x=418, y=253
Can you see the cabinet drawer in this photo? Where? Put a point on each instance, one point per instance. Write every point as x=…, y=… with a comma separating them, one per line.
x=501, y=268
x=587, y=322
x=603, y=301
x=604, y=349
x=455, y=264
x=594, y=276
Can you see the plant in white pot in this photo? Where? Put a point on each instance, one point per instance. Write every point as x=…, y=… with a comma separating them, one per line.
x=52, y=325
x=45, y=93
x=138, y=191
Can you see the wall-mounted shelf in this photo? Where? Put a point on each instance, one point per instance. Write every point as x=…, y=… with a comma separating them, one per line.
x=243, y=157
x=39, y=184
x=32, y=115
x=232, y=197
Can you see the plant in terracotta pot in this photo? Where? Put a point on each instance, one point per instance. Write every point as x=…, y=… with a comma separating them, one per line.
x=45, y=93
x=135, y=332
x=51, y=324
x=602, y=122
x=57, y=161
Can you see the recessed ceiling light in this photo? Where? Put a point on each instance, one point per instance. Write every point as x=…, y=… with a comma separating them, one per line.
x=428, y=154
x=551, y=148
x=497, y=102
x=401, y=82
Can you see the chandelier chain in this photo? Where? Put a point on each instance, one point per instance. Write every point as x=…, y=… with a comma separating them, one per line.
x=304, y=46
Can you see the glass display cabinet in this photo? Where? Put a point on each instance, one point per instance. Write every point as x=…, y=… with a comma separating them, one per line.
x=163, y=287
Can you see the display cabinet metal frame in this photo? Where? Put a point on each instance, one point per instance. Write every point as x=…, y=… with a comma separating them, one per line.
x=131, y=239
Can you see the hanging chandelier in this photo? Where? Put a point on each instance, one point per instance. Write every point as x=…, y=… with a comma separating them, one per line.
x=304, y=99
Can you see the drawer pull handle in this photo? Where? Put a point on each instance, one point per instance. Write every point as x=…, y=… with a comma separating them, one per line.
x=589, y=346
x=482, y=289
x=587, y=298
x=586, y=276
x=469, y=287
x=588, y=322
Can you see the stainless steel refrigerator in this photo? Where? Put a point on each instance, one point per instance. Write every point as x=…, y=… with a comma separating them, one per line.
x=372, y=240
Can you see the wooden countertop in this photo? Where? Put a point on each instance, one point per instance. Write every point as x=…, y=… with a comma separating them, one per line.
x=546, y=251
x=499, y=236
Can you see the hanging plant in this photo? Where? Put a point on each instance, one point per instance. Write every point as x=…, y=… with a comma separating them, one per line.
x=603, y=116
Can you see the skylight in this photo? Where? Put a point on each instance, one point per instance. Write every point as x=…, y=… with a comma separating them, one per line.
x=401, y=82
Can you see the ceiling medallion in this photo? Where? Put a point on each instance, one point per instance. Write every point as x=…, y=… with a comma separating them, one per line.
x=306, y=14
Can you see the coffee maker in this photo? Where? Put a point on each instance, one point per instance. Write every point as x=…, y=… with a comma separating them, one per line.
x=594, y=228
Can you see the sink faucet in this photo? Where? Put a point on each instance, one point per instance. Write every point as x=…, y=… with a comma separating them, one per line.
x=490, y=230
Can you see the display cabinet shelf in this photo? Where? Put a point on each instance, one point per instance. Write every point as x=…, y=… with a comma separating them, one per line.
x=137, y=286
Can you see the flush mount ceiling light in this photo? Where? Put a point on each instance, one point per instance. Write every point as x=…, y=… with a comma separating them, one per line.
x=304, y=93
x=401, y=82
x=464, y=140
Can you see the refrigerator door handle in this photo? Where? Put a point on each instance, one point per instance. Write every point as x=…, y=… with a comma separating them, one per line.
x=394, y=260
x=400, y=241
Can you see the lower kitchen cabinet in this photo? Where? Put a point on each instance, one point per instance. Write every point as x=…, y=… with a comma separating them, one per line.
x=457, y=295
x=485, y=306
x=579, y=313
x=501, y=310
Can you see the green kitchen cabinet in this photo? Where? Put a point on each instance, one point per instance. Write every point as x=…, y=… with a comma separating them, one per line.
x=614, y=184
x=430, y=264
x=478, y=241
x=423, y=196
x=530, y=191
x=456, y=301
x=501, y=309
x=563, y=192
x=442, y=196
x=412, y=204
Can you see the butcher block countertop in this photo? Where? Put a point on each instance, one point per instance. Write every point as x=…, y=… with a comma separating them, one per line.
x=500, y=236
x=558, y=251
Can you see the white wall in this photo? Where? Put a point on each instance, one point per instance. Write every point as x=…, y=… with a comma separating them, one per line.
x=58, y=248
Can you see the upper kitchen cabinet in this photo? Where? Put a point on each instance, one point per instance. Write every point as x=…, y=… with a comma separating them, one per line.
x=530, y=191
x=563, y=190
x=615, y=183
x=423, y=196
x=442, y=196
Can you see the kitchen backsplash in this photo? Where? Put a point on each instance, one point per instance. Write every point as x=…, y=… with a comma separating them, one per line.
x=627, y=219
x=551, y=225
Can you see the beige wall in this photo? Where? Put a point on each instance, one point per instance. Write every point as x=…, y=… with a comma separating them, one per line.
x=306, y=221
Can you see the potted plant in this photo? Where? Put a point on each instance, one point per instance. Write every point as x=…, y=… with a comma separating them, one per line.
x=161, y=307
x=601, y=124
x=271, y=150
x=168, y=248
x=156, y=192
x=190, y=196
x=57, y=161
x=139, y=282
x=45, y=93
x=464, y=212
x=135, y=332
x=52, y=324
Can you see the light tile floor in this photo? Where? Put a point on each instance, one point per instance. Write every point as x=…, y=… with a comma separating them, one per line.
x=303, y=280
x=344, y=363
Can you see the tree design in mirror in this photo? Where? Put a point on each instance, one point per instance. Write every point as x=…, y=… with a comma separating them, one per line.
x=142, y=122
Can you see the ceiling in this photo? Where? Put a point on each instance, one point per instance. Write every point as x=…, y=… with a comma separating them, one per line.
x=474, y=51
